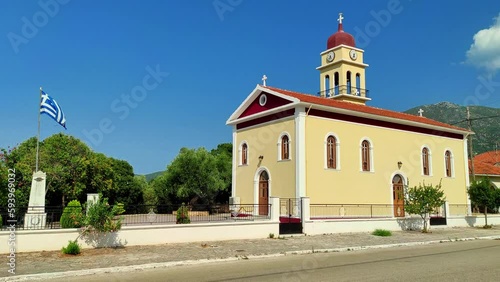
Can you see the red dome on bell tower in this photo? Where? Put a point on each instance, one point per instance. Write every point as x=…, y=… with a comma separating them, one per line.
x=340, y=37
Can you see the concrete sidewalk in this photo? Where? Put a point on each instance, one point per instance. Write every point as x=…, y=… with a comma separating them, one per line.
x=48, y=265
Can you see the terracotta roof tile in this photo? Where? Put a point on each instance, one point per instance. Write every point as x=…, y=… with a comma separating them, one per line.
x=308, y=98
x=487, y=163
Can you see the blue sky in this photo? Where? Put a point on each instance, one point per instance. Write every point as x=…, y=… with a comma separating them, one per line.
x=207, y=56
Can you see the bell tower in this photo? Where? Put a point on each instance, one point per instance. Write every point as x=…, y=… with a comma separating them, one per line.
x=342, y=71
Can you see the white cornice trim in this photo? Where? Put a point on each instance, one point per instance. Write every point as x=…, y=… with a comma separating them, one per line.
x=342, y=61
x=251, y=97
x=340, y=46
x=261, y=114
x=383, y=118
x=350, y=96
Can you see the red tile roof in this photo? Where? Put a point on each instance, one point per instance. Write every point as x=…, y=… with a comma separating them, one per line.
x=487, y=163
x=308, y=98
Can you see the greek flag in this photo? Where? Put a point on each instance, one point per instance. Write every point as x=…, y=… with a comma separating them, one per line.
x=50, y=107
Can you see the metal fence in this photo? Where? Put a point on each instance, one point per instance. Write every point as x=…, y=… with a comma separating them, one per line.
x=49, y=217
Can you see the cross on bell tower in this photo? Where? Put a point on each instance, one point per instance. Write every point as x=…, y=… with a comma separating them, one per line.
x=341, y=17
x=342, y=70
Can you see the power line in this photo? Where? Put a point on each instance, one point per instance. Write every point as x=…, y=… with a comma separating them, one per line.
x=471, y=119
x=469, y=124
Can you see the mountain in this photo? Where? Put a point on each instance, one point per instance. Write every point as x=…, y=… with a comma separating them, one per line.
x=153, y=175
x=485, y=122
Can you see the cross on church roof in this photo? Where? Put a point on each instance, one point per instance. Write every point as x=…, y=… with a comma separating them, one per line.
x=340, y=18
x=264, y=78
x=420, y=112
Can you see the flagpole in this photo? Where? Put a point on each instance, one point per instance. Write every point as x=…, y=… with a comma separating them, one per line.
x=38, y=135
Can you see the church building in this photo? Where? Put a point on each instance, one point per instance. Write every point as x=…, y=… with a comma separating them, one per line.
x=334, y=148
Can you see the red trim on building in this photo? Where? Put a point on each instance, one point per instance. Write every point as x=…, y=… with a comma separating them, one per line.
x=276, y=116
x=272, y=102
x=367, y=121
x=307, y=98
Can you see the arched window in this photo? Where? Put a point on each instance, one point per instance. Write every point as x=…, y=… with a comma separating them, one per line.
x=337, y=82
x=447, y=163
x=348, y=82
x=327, y=86
x=358, y=84
x=244, y=154
x=331, y=152
x=425, y=161
x=285, y=147
x=365, y=155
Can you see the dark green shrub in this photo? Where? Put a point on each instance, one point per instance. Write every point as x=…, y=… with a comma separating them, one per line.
x=72, y=249
x=382, y=232
x=183, y=215
x=72, y=216
x=1, y=222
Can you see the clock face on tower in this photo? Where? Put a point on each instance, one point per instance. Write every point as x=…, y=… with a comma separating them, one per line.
x=353, y=54
x=330, y=56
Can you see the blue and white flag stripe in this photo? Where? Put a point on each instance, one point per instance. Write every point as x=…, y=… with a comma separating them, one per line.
x=50, y=107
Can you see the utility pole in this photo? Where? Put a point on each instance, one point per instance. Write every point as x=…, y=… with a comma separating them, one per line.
x=471, y=155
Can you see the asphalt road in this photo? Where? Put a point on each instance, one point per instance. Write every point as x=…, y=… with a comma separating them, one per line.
x=459, y=261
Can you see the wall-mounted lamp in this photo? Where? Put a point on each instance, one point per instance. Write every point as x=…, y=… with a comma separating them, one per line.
x=400, y=164
x=261, y=158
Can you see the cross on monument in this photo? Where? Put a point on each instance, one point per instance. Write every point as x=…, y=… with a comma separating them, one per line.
x=340, y=18
x=264, y=78
x=420, y=112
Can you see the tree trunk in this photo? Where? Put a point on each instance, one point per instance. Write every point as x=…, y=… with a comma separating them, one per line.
x=485, y=216
x=426, y=226
x=63, y=201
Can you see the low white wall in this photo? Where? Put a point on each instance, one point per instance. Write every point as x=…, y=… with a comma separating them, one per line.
x=316, y=227
x=55, y=239
x=473, y=220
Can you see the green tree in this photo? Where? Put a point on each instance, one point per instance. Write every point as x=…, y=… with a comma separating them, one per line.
x=164, y=194
x=126, y=189
x=424, y=200
x=148, y=192
x=192, y=177
x=13, y=159
x=483, y=194
x=224, y=158
x=100, y=174
x=65, y=159
x=72, y=170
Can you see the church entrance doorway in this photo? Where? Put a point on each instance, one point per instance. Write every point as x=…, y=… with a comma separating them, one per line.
x=263, y=193
x=398, y=196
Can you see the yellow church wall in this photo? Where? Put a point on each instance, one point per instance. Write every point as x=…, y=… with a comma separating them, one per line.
x=349, y=185
x=263, y=141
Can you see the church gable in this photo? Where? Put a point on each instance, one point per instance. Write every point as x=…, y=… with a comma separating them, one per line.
x=264, y=102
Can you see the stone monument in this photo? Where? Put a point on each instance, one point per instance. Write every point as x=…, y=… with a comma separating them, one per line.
x=36, y=217
x=92, y=198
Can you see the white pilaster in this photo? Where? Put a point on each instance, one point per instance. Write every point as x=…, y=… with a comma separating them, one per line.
x=467, y=178
x=305, y=209
x=235, y=163
x=275, y=209
x=300, y=152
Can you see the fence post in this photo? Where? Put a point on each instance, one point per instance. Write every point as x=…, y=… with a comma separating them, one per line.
x=305, y=206
x=275, y=208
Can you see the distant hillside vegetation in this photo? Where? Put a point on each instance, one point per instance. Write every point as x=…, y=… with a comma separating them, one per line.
x=485, y=122
x=153, y=175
